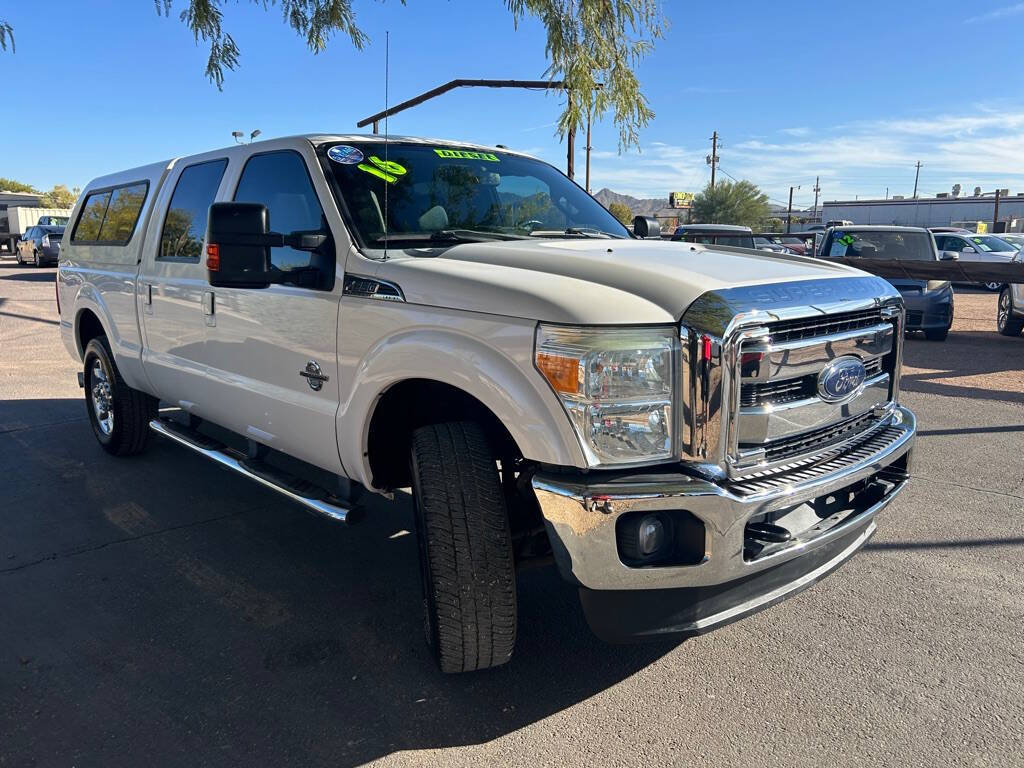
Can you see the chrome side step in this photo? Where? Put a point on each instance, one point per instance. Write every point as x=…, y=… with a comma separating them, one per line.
x=311, y=497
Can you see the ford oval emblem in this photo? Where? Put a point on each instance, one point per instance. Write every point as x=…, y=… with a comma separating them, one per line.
x=840, y=379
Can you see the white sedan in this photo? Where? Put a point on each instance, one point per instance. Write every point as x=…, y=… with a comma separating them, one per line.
x=969, y=247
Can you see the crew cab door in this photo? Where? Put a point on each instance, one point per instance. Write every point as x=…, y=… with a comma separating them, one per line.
x=271, y=354
x=173, y=284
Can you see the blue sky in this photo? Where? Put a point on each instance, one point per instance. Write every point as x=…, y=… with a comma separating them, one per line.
x=853, y=92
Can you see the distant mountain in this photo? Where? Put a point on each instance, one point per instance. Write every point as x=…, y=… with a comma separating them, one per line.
x=639, y=206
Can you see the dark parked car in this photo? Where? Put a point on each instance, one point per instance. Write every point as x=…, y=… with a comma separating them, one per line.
x=715, y=234
x=929, y=303
x=40, y=245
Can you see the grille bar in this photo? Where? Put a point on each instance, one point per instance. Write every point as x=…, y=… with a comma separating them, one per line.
x=822, y=464
x=790, y=390
x=822, y=325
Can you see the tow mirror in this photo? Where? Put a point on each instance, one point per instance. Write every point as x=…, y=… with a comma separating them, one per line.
x=949, y=256
x=646, y=228
x=238, y=241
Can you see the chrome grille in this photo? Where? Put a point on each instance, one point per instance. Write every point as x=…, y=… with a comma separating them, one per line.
x=822, y=325
x=777, y=450
x=791, y=390
x=819, y=465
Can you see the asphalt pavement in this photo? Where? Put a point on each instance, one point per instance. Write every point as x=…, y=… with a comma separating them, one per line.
x=159, y=611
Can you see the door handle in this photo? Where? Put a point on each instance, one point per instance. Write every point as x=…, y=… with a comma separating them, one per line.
x=210, y=308
x=147, y=299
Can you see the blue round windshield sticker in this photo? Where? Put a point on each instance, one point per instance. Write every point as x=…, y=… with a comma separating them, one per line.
x=345, y=154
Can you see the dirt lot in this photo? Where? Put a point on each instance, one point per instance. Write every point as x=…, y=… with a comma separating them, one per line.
x=158, y=611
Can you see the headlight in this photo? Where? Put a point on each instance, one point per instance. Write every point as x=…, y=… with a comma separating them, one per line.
x=617, y=385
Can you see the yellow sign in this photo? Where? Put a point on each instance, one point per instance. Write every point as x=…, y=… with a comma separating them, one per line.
x=680, y=199
x=982, y=228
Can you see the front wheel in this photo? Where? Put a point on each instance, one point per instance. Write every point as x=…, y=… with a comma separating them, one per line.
x=119, y=415
x=466, y=560
x=35, y=259
x=1006, y=323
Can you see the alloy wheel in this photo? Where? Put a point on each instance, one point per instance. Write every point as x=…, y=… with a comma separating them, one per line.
x=102, y=398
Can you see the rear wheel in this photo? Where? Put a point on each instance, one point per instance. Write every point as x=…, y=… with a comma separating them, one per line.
x=1006, y=323
x=17, y=255
x=35, y=259
x=466, y=560
x=119, y=415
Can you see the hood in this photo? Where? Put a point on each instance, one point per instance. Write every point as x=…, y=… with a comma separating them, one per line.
x=588, y=282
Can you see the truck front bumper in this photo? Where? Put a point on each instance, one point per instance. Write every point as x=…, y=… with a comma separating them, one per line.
x=826, y=505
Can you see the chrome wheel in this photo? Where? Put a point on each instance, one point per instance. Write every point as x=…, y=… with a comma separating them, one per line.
x=102, y=398
x=1003, y=317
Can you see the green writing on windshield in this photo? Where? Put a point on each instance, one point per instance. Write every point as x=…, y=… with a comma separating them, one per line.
x=383, y=169
x=463, y=154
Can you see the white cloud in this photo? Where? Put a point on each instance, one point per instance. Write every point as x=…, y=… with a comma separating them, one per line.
x=801, y=131
x=998, y=13
x=984, y=148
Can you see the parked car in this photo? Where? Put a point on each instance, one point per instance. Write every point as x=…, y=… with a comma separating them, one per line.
x=764, y=244
x=715, y=234
x=929, y=303
x=972, y=247
x=690, y=439
x=1014, y=239
x=40, y=246
x=792, y=243
x=1010, y=310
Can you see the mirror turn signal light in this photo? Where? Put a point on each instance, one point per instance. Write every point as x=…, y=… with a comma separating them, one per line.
x=213, y=257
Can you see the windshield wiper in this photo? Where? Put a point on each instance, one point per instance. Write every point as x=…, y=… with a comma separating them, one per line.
x=592, y=232
x=448, y=236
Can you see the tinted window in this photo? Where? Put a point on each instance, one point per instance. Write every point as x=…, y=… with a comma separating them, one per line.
x=88, y=228
x=281, y=182
x=898, y=246
x=185, y=223
x=122, y=213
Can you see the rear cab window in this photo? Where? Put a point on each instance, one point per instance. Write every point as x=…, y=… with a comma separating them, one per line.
x=185, y=223
x=870, y=244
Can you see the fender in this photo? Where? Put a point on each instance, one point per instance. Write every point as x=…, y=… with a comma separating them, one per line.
x=498, y=372
x=127, y=347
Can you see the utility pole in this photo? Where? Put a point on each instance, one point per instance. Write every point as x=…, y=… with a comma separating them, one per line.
x=789, y=214
x=713, y=157
x=916, y=177
x=588, y=153
x=817, y=189
x=570, y=161
x=995, y=213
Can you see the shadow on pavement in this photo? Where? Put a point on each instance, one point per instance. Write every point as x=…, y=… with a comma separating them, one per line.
x=158, y=609
x=963, y=544
x=47, y=275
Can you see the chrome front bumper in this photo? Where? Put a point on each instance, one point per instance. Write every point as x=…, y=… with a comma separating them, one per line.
x=581, y=510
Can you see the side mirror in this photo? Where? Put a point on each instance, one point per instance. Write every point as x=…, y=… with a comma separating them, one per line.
x=969, y=249
x=238, y=241
x=646, y=228
x=949, y=256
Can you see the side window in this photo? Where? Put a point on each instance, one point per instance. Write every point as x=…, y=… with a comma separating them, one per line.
x=281, y=182
x=87, y=229
x=185, y=222
x=122, y=214
x=940, y=243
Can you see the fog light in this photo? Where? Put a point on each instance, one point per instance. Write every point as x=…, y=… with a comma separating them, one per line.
x=650, y=537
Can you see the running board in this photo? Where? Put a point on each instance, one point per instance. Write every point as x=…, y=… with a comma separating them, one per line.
x=312, y=497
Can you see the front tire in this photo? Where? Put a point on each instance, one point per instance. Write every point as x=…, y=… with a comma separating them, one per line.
x=35, y=259
x=119, y=415
x=466, y=560
x=1006, y=323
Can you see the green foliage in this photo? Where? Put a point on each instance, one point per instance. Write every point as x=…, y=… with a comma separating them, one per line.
x=739, y=202
x=6, y=36
x=594, y=46
x=10, y=185
x=622, y=212
x=774, y=224
x=60, y=197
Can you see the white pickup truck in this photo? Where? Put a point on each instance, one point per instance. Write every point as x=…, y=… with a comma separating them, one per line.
x=692, y=433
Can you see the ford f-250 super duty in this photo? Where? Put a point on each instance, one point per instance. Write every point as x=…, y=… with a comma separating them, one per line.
x=691, y=432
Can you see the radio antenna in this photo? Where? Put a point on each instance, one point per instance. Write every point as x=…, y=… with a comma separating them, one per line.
x=387, y=52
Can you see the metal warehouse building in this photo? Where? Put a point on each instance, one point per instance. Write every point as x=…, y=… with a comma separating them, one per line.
x=930, y=211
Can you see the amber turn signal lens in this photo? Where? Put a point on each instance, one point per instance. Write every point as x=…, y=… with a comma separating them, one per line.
x=561, y=372
x=213, y=257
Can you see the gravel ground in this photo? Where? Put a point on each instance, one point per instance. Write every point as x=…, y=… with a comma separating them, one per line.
x=159, y=611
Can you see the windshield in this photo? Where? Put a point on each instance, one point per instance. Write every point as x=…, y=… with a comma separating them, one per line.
x=1015, y=240
x=898, y=246
x=432, y=195
x=987, y=244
